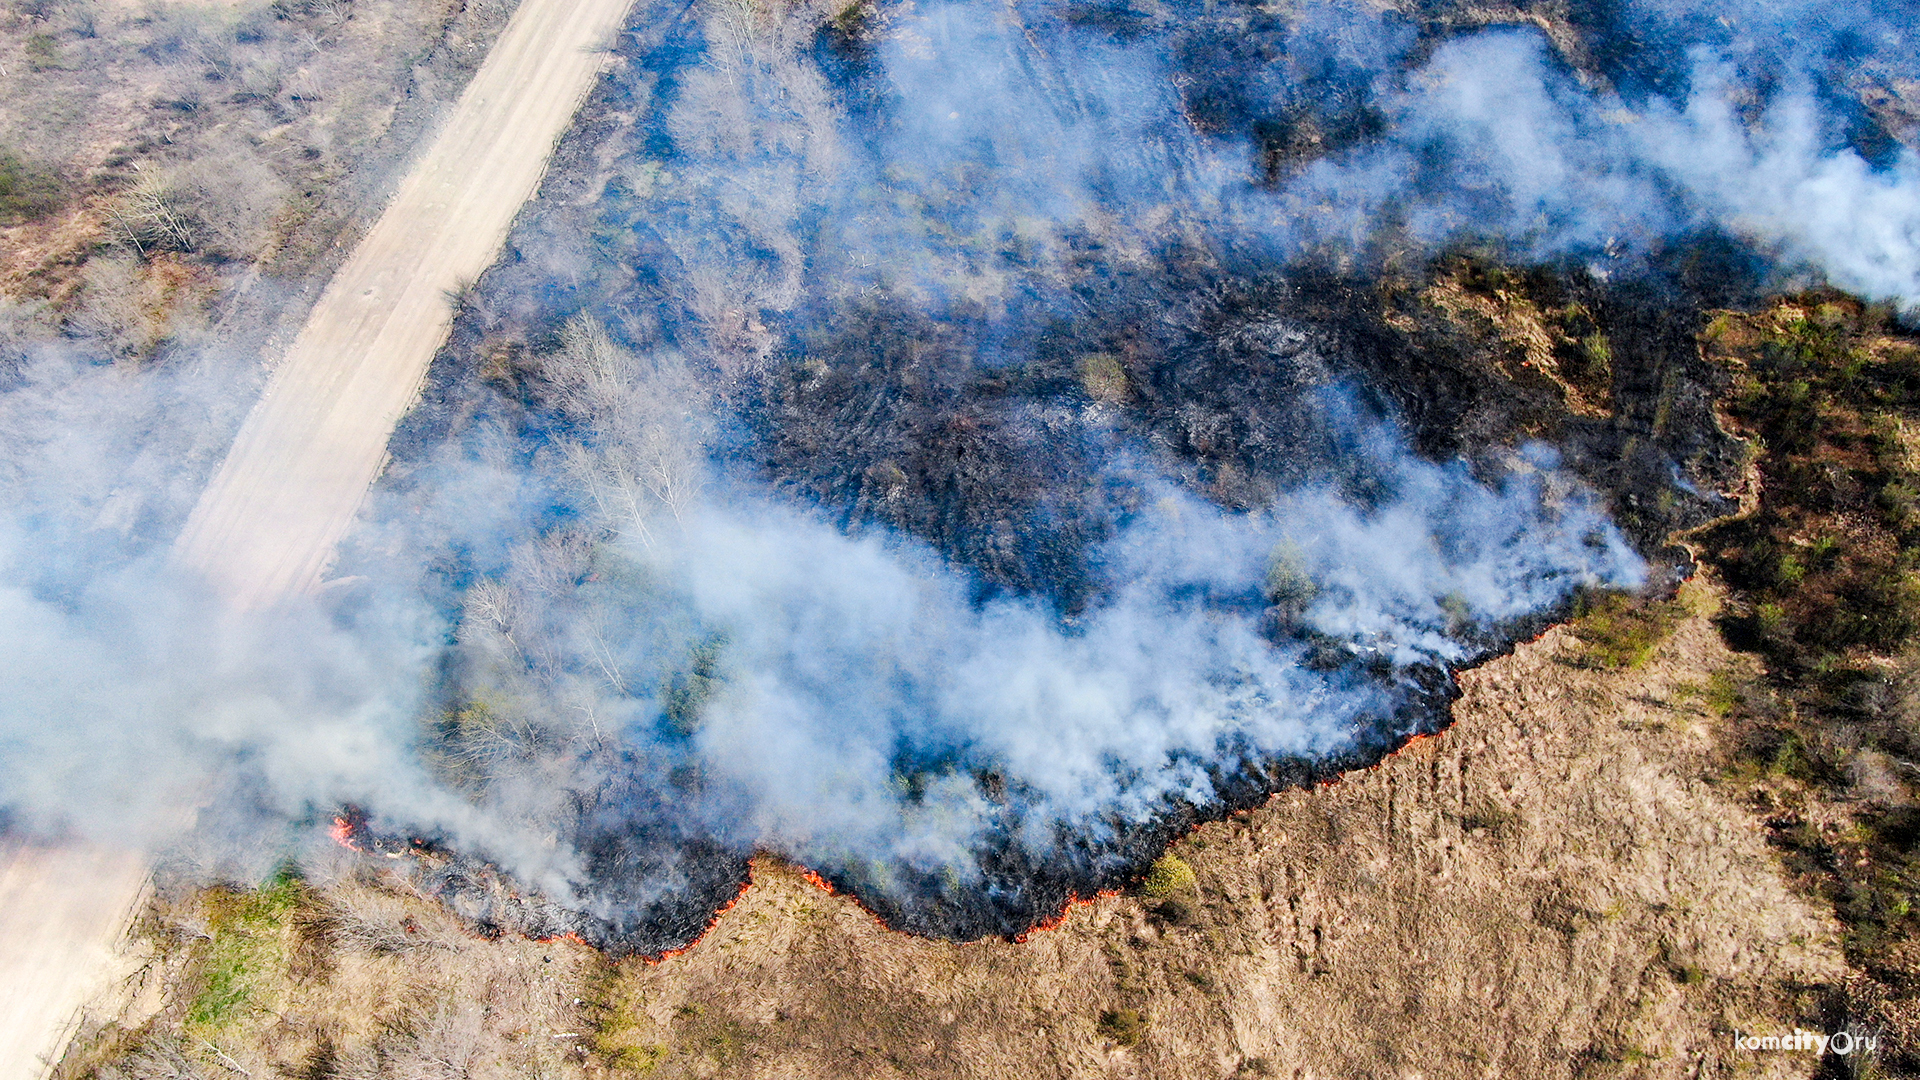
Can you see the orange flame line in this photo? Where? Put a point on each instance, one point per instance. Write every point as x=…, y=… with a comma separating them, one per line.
x=653, y=961
x=826, y=886
x=342, y=833
x=1074, y=900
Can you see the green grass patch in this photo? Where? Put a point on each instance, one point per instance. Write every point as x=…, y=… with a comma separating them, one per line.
x=637, y=1059
x=1124, y=1026
x=1722, y=693
x=43, y=52
x=1620, y=631
x=26, y=192
x=246, y=952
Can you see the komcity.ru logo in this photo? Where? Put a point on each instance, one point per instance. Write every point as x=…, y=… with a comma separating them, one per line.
x=1840, y=1042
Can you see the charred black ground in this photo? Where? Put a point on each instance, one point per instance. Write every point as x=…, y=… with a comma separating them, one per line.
x=1002, y=471
x=1017, y=436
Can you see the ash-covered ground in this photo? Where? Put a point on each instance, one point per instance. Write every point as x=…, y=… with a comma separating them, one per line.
x=940, y=446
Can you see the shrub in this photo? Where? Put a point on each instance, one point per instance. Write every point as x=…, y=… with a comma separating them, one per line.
x=1487, y=815
x=1169, y=876
x=1288, y=584
x=1588, y=360
x=1124, y=1026
x=1103, y=378
x=1172, y=911
x=155, y=216
x=370, y=922
x=220, y=205
x=687, y=691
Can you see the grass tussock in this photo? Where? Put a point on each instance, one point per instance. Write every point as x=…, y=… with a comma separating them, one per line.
x=26, y=191
x=1123, y=1026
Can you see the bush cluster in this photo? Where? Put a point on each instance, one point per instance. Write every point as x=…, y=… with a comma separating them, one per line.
x=1823, y=589
x=1169, y=876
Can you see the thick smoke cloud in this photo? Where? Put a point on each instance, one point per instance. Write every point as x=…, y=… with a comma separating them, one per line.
x=666, y=657
x=1747, y=120
x=1527, y=154
x=853, y=655
x=593, y=640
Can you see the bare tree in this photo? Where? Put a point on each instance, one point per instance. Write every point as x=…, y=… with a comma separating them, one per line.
x=154, y=216
x=642, y=425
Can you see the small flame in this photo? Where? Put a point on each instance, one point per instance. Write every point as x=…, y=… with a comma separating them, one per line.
x=826, y=886
x=342, y=833
x=1074, y=900
x=711, y=923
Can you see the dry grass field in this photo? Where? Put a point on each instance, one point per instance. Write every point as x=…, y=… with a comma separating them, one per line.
x=1582, y=877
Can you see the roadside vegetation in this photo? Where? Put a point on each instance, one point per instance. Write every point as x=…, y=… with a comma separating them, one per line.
x=347, y=979
x=153, y=157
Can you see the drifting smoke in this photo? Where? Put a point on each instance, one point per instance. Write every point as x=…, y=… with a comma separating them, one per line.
x=1526, y=153
x=131, y=696
x=907, y=490
x=699, y=663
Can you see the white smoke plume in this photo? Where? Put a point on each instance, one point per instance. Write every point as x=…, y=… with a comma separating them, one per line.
x=692, y=658
x=1488, y=137
x=585, y=643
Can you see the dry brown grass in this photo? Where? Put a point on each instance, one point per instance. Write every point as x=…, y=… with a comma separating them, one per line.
x=357, y=979
x=241, y=136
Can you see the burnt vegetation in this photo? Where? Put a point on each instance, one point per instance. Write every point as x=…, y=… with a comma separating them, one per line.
x=1014, y=414
x=1015, y=434
x=1009, y=453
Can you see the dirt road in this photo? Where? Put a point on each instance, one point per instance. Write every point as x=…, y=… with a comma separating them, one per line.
x=62, y=910
x=289, y=489
x=267, y=525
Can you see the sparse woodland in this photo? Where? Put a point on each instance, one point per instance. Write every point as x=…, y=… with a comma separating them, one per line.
x=169, y=168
